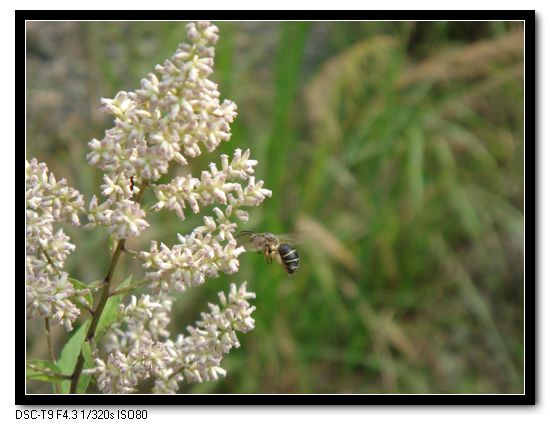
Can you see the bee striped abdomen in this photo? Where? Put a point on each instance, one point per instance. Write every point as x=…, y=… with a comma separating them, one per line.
x=289, y=257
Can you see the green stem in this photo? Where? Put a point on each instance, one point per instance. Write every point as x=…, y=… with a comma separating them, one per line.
x=130, y=252
x=97, y=314
x=87, y=308
x=50, y=262
x=75, y=377
x=49, y=372
x=128, y=289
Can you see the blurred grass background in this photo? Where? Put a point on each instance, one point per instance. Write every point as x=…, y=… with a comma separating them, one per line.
x=395, y=151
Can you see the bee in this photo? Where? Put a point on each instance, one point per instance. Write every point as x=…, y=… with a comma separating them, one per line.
x=273, y=249
x=132, y=184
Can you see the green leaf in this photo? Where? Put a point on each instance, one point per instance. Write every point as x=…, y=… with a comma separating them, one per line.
x=70, y=353
x=88, y=364
x=87, y=353
x=83, y=382
x=78, y=285
x=76, y=343
x=37, y=370
x=110, y=312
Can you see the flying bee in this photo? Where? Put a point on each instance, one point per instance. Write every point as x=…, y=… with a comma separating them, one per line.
x=273, y=248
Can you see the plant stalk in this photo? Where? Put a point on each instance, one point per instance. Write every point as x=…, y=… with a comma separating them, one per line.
x=75, y=377
x=97, y=314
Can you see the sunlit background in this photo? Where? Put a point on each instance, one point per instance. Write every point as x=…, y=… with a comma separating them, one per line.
x=394, y=151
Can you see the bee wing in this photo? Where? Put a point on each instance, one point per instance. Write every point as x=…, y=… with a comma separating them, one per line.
x=256, y=241
x=290, y=238
x=243, y=238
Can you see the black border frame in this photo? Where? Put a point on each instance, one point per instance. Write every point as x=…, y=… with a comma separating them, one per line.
x=529, y=396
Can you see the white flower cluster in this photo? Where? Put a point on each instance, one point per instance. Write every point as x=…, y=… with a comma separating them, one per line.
x=144, y=319
x=168, y=117
x=123, y=217
x=212, y=247
x=121, y=373
x=49, y=294
x=197, y=357
x=216, y=186
x=166, y=120
x=193, y=358
x=174, y=115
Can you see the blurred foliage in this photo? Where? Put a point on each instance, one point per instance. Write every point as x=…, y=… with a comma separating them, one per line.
x=393, y=149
